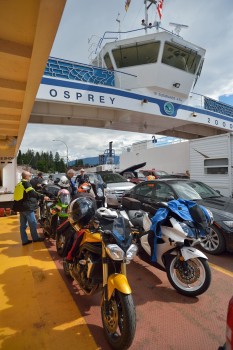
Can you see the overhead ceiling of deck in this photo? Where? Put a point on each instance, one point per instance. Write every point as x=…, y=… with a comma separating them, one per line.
x=27, y=32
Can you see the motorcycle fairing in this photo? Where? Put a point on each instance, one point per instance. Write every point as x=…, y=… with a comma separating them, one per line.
x=180, y=208
x=119, y=282
x=191, y=253
x=89, y=237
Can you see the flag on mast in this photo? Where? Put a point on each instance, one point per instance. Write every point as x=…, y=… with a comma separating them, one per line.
x=127, y=3
x=159, y=8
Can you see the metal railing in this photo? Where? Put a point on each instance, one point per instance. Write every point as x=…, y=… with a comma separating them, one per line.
x=60, y=68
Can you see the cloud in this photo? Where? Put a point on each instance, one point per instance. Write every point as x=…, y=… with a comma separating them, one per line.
x=210, y=26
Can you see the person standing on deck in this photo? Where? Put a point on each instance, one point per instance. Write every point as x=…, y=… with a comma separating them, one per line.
x=26, y=203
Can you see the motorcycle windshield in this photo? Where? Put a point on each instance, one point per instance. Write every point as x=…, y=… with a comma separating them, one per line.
x=122, y=233
x=64, y=199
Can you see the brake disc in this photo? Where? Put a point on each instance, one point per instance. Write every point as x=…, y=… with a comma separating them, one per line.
x=187, y=271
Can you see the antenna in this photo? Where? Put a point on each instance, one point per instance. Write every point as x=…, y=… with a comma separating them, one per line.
x=119, y=23
x=178, y=27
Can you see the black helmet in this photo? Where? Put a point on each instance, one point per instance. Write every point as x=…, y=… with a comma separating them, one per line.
x=81, y=211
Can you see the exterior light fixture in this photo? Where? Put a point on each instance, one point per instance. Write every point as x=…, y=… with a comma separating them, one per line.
x=176, y=85
x=144, y=101
x=193, y=114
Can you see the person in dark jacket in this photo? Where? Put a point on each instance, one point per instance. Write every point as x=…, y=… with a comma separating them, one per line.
x=81, y=178
x=36, y=182
x=26, y=203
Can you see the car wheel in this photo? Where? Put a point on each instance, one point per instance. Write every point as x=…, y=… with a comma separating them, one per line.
x=214, y=243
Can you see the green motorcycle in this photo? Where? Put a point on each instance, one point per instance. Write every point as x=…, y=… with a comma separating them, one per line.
x=54, y=217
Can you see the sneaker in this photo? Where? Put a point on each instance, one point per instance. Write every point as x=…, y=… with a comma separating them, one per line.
x=40, y=239
x=28, y=242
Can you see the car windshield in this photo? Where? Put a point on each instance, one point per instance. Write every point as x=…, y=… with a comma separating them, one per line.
x=141, y=175
x=160, y=173
x=192, y=190
x=109, y=178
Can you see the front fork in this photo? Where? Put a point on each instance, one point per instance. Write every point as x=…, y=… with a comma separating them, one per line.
x=115, y=281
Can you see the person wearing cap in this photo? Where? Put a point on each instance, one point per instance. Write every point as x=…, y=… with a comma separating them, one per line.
x=36, y=182
x=81, y=178
x=26, y=203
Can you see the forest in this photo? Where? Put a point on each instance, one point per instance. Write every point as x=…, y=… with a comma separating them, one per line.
x=45, y=162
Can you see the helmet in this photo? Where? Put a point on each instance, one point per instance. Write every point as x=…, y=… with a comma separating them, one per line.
x=85, y=187
x=106, y=213
x=44, y=183
x=81, y=211
x=64, y=196
x=64, y=182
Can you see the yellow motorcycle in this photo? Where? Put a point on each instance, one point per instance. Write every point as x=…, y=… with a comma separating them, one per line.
x=98, y=253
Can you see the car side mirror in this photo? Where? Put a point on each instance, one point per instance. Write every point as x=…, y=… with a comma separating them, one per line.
x=104, y=185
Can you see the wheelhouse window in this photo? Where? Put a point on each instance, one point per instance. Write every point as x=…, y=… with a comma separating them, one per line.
x=108, y=61
x=136, y=55
x=216, y=166
x=180, y=57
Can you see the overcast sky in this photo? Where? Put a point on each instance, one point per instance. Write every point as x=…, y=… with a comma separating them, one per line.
x=210, y=25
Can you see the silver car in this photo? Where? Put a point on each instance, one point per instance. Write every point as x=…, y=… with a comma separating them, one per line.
x=116, y=185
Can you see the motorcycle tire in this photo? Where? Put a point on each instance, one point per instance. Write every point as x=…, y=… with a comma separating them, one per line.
x=191, y=277
x=119, y=320
x=66, y=269
x=60, y=243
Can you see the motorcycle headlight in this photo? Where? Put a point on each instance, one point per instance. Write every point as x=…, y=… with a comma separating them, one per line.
x=228, y=223
x=115, y=252
x=131, y=252
x=187, y=230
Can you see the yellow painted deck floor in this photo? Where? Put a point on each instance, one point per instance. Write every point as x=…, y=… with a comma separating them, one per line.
x=37, y=310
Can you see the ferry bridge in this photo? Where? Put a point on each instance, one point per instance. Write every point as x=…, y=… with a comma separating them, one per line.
x=38, y=89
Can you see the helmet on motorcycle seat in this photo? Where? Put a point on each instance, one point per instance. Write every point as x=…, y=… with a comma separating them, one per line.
x=85, y=187
x=106, y=213
x=64, y=196
x=64, y=182
x=81, y=211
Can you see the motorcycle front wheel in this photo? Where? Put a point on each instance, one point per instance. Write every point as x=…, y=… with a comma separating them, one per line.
x=119, y=320
x=191, y=277
x=60, y=243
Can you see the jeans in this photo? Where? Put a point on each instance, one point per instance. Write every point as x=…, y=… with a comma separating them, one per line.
x=28, y=218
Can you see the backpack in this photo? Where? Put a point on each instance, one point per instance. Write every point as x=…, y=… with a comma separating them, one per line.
x=18, y=196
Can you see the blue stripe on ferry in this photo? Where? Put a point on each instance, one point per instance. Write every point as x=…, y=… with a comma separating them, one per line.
x=132, y=95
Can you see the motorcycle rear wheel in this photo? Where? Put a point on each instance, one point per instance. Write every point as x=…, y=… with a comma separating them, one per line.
x=191, y=277
x=119, y=320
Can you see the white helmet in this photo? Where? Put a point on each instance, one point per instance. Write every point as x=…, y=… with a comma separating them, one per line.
x=64, y=182
x=106, y=213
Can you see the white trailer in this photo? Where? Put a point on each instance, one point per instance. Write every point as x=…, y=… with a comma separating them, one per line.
x=172, y=158
x=211, y=160
x=8, y=180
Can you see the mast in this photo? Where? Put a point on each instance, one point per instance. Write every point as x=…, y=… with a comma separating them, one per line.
x=145, y=21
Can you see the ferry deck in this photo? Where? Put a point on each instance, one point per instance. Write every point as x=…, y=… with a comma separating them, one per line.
x=42, y=309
